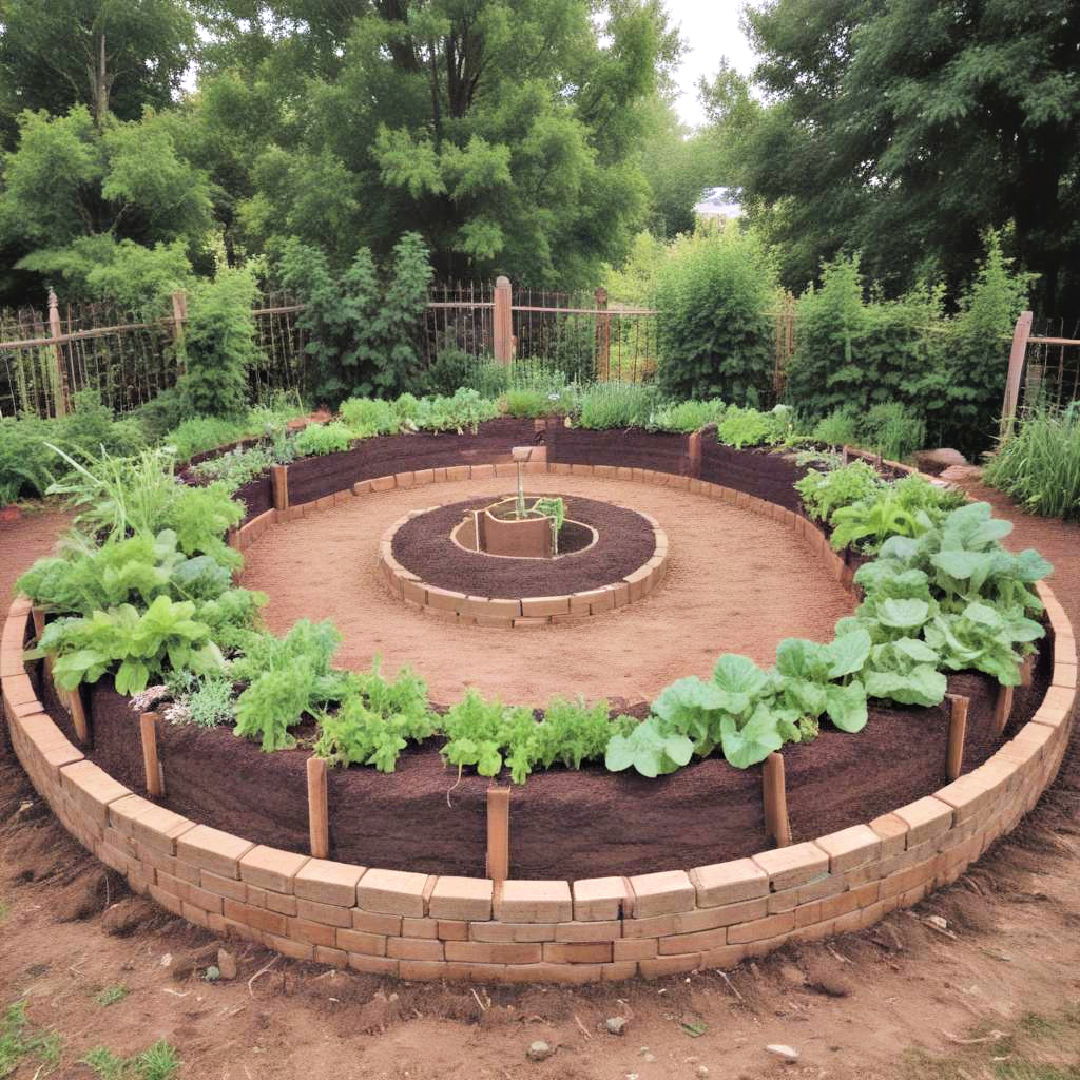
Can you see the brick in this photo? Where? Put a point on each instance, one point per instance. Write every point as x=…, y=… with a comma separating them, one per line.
x=729, y=883
x=158, y=828
x=92, y=788
x=359, y=941
x=558, y=952
x=588, y=931
x=925, y=818
x=893, y=832
x=294, y=950
x=761, y=928
x=702, y=939
x=334, y=957
x=327, y=882
x=543, y=606
x=271, y=922
x=723, y=915
x=535, y=901
x=280, y=902
x=791, y=866
x=213, y=850
x=450, y=930
x=481, y=952
x=461, y=898
x=481, y=472
x=598, y=899
x=271, y=868
x=504, y=931
x=329, y=914
x=373, y=965
x=414, y=949
x=420, y=928
x=662, y=893
x=444, y=599
x=635, y=949
x=382, y=483
x=850, y=848
x=660, y=966
x=312, y=933
x=228, y=887
x=376, y=922
x=397, y=892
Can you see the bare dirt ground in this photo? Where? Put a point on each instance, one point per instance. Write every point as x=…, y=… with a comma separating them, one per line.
x=735, y=583
x=995, y=997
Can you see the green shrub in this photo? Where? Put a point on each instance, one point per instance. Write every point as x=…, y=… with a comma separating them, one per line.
x=824, y=492
x=454, y=368
x=465, y=411
x=1040, y=465
x=319, y=439
x=839, y=428
x=892, y=430
x=715, y=294
x=204, y=433
x=687, y=416
x=366, y=417
x=617, y=405
x=524, y=404
x=741, y=427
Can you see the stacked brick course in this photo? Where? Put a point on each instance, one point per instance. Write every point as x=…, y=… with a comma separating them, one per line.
x=420, y=926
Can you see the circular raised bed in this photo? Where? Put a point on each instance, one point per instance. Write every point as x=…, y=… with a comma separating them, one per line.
x=422, y=920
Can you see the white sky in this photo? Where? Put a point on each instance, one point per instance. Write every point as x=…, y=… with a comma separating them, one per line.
x=710, y=30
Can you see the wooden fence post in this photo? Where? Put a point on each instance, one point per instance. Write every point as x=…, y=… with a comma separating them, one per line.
x=318, y=808
x=1002, y=710
x=279, y=475
x=1016, y=371
x=603, y=336
x=62, y=403
x=179, y=317
x=155, y=785
x=958, y=712
x=503, y=322
x=777, y=822
x=78, y=716
x=498, y=833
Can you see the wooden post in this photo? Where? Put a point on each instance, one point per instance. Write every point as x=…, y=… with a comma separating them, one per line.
x=958, y=713
x=155, y=784
x=694, y=453
x=1002, y=710
x=179, y=317
x=279, y=475
x=39, y=629
x=503, y=321
x=318, y=808
x=78, y=716
x=1027, y=670
x=777, y=823
x=844, y=455
x=62, y=404
x=498, y=833
x=1017, y=353
x=603, y=336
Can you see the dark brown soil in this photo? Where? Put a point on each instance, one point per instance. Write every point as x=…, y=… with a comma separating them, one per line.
x=624, y=543
x=764, y=474
x=629, y=447
x=565, y=823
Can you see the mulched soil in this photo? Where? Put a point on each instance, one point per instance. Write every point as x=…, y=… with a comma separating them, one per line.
x=625, y=542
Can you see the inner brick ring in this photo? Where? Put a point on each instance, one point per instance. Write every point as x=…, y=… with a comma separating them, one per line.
x=422, y=563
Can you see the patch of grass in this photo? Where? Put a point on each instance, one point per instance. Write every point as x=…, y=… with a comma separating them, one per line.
x=157, y=1062
x=19, y=1043
x=110, y=995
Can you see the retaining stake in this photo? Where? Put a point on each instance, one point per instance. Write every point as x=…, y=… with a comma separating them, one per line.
x=1002, y=709
x=958, y=714
x=1027, y=671
x=78, y=716
x=777, y=823
x=155, y=784
x=498, y=833
x=318, y=814
x=279, y=475
x=39, y=629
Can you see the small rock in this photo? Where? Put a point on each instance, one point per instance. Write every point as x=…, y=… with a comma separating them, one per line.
x=792, y=975
x=539, y=1050
x=702, y=1070
x=615, y=1025
x=934, y=461
x=788, y=1053
x=226, y=964
x=126, y=916
x=937, y=922
x=648, y=1057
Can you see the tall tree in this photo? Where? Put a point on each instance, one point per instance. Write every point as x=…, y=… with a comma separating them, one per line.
x=905, y=128
x=505, y=132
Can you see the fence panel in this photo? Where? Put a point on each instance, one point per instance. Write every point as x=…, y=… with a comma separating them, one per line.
x=283, y=362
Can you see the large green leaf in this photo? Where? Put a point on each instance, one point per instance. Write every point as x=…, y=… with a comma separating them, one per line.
x=923, y=685
x=846, y=706
x=755, y=741
x=647, y=750
x=848, y=653
x=903, y=614
x=737, y=674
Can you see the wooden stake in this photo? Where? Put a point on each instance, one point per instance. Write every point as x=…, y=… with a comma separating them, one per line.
x=1027, y=670
x=958, y=713
x=155, y=784
x=280, y=478
x=498, y=833
x=1002, y=710
x=318, y=810
x=78, y=716
x=777, y=823
x=39, y=629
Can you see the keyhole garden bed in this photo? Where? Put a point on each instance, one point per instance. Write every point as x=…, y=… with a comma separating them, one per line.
x=427, y=870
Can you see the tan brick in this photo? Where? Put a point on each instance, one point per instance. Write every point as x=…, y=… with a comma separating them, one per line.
x=974, y=791
x=481, y=472
x=772, y=926
x=893, y=832
x=728, y=883
x=481, y=952
x=213, y=850
x=850, y=848
x=727, y=956
x=535, y=901
x=461, y=898
x=535, y=607
x=504, y=931
x=723, y=915
x=327, y=882
x=359, y=941
x=404, y=948
x=701, y=939
x=420, y=928
x=282, y=902
x=396, y=892
x=925, y=818
x=662, y=893
x=227, y=887
x=598, y=899
x=635, y=948
x=271, y=868
x=270, y=922
x=382, y=483
x=588, y=931
x=329, y=914
x=451, y=930
x=791, y=866
x=557, y=952
x=158, y=829
x=374, y=965
x=92, y=788
x=660, y=966
x=312, y=933
x=444, y=599
x=377, y=922
x=334, y=957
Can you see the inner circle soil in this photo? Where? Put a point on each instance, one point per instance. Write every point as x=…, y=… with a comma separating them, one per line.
x=736, y=582
x=625, y=541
